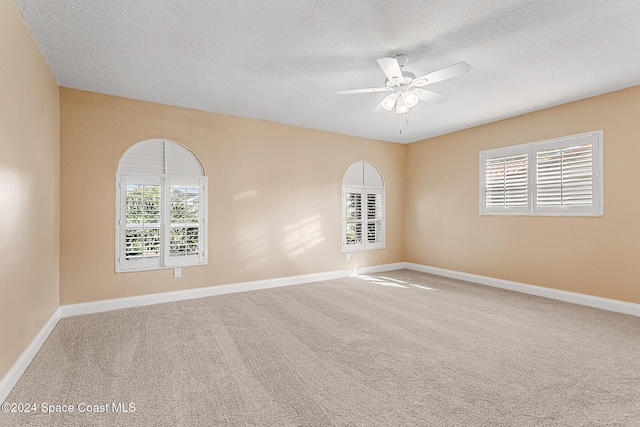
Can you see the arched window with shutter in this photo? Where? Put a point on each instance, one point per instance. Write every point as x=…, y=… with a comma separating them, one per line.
x=363, y=212
x=161, y=207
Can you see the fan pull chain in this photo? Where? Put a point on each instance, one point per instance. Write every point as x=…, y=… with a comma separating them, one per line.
x=407, y=122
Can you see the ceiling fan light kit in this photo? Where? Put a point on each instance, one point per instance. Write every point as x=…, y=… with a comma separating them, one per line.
x=410, y=98
x=401, y=107
x=406, y=88
x=389, y=101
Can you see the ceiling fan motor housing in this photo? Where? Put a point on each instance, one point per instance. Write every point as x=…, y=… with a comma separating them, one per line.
x=408, y=78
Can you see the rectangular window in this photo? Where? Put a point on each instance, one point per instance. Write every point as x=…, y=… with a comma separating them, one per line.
x=374, y=218
x=561, y=176
x=353, y=218
x=363, y=219
x=142, y=222
x=164, y=221
x=564, y=178
x=185, y=218
x=507, y=182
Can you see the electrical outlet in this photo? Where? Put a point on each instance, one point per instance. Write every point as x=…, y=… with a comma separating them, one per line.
x=347, y=256
x=177, y=272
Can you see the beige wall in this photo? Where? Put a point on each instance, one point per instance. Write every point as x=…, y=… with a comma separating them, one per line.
x=29, y=187
x=274, y=195
x=595, y=256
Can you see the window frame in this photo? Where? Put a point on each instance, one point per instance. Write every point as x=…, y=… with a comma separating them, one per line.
x=502, y=153
x=122, y=263
x=364, y=191
x=596, y=209
x=165, y=181
x=198, y=258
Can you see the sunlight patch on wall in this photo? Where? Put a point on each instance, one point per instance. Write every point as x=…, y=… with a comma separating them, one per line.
x=245, y=195
x=253, y=244
x=14, y=191
x=12, y=201
x=302, y=235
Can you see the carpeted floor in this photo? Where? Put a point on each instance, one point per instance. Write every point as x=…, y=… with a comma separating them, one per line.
x=395, y=349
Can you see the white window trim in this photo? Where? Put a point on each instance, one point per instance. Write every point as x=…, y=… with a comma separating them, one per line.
x=364, y=190
x=365, y=245
x=165, y=261
x=200, y=257
x=531, y=149
x=121, y=263
x=504, y=152
x=165, y=181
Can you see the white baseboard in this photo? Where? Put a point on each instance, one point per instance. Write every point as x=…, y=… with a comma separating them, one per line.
x=379, y=268
x=17, y=369
x=142, y=300
x=572, y=297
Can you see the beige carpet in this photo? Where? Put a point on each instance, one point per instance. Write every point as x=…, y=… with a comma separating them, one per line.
x=395, y=349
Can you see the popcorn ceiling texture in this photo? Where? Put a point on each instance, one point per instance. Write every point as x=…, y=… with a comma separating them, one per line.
x=283, y=60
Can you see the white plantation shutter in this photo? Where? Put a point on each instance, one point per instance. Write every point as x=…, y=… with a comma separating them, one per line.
x=353, y=225
x=161, y=207
x=181, y=161
x=567, y=176
x=375, y=218
x=362, y=208
x=362, y=174
x=372, y=176
x=184, y=236
x=354, y=176
x=506, y=181
x=141, y=226
x=562, y=176
x=144, y=158
x=160, y=157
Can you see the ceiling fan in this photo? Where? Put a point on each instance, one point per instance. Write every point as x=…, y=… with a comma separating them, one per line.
x=406, y=89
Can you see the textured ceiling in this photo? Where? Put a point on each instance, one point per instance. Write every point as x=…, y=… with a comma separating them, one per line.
x=283, y=60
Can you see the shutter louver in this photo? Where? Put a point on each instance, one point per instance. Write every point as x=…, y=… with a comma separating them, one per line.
x=565, y=176
x=354, y=176
x=375, y=216
x=185, y=220
x=506, y=181
x=353, y=218
x=144, y=158
x=362, y=174
x=142, y=218
x=181, y=161
x=372, y=177
x=160, y=157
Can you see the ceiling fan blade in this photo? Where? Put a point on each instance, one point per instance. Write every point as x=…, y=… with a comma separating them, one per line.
x=444, y=74
x=429, y=96
x=391, y=69
x=366, y=90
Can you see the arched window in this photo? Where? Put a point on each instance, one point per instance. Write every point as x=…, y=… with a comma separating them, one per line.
x=362, y=208
x=161, y=207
